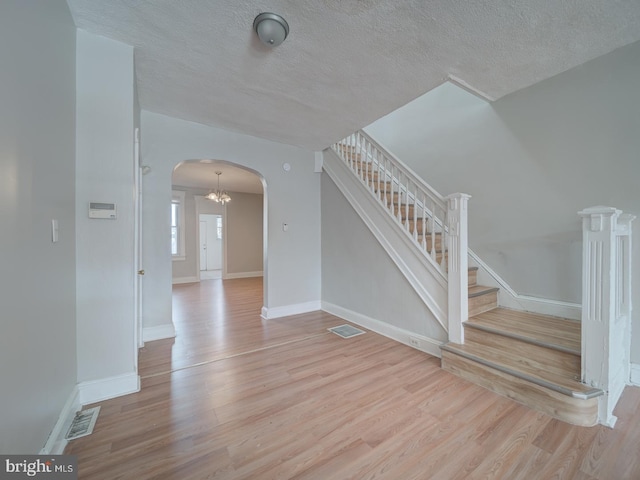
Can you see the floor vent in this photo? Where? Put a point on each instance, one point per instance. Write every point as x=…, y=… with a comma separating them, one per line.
x=83, y=423
x=346, y=331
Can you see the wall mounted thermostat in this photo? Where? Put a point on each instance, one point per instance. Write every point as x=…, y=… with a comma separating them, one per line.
x=102, y=210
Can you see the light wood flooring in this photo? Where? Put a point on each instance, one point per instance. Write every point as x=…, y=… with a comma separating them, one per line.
x=285, y=399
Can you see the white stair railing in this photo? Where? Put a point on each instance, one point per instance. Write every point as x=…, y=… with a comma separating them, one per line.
x=418, y=208
x=606, y=304
x=437, y=225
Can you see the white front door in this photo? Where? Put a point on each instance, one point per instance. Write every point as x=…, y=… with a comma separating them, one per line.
x=203, y=245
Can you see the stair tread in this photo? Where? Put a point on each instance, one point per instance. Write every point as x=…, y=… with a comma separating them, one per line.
x=502, y=361
x=555, y=332
x=477, y=290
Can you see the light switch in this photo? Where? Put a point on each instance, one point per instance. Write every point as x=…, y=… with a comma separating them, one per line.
x=54, y=230
x=285, y=227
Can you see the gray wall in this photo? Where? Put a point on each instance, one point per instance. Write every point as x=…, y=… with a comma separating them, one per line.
x=104, y=173
x=37, y=170
x=292, y=276
x=243, y=235
x=244, y=245
x=531, y=161
x=358, y=275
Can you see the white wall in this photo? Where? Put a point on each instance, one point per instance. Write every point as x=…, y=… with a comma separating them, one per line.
x=531, y=161
x=187, y=267
x=358, y=275
x=105, y=248
x=37, y=277
x=292, y=276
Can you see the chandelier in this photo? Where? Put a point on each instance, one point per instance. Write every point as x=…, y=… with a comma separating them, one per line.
x=219, y=196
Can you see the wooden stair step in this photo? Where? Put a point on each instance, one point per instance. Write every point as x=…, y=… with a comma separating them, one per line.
x=430, y=239
x=406, y=210
x=572, y=402
x=518, y=366
x=531, y=355
x=482, y=299
x=559, y=333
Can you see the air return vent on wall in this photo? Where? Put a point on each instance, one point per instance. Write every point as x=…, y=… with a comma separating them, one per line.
x=346, y=331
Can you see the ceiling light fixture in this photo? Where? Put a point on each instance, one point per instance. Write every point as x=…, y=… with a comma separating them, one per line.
x=219, y=196
x=272, y=29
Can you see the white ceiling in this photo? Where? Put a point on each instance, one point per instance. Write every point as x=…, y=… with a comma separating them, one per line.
x=202, y=175
x=345, y=63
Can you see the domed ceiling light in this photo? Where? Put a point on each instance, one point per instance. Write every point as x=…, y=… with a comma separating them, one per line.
x=272, y=29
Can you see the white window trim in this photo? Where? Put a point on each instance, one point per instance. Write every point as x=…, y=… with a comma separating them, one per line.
x=178, y=196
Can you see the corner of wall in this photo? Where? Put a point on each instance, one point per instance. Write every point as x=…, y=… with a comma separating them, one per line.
x=57, y=442
x=635, y=374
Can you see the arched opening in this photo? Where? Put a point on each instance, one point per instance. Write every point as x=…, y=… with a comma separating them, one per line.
x=214, y=240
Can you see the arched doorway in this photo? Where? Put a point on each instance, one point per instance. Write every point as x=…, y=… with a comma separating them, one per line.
x=234, y=229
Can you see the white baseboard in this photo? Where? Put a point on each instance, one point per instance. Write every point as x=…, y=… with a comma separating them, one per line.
x=179, y=280
x=229, y=276
x=98, y=390
x=277, y=312
x=507, y=297
x=56, y=442
x=425, y=344
x=158, y=332
x=635, y=374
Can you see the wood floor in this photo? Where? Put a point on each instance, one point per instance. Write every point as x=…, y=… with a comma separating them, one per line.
x=285, y=399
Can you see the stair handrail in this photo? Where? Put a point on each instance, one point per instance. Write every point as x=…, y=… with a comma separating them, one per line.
x=383, y=167
x=443, y=218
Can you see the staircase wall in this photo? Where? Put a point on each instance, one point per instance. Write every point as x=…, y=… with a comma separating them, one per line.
x=358, y=276
x=531, y=161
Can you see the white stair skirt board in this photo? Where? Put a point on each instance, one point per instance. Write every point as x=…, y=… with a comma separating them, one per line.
x=346, y=331
x=287, y=310
x=414, y=340
x=158, y=332
x=56, y=443
x=83, y=423
x=635, y=374
x=510, y=299
x=98, y=390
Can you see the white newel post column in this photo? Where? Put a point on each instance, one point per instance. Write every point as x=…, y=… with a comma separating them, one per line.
x=458, y=264
x=606, y=304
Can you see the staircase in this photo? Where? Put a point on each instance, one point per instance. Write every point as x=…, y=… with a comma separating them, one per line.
x=531, y=358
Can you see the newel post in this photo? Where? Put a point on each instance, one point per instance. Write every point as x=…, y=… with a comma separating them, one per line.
x=606, y=304
x=457, y=264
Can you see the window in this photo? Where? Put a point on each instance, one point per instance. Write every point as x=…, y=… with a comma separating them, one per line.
x=177, y=225
x=219, y=227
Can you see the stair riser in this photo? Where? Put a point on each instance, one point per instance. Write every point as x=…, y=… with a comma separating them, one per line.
x=565, y=408
x=530, y=356
x=483, y=303
x=473, y=277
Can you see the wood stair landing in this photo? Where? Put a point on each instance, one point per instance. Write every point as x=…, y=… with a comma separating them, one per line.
x=531, y=358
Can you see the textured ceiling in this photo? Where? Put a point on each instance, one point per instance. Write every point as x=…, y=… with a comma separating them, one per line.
x=345, y=63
